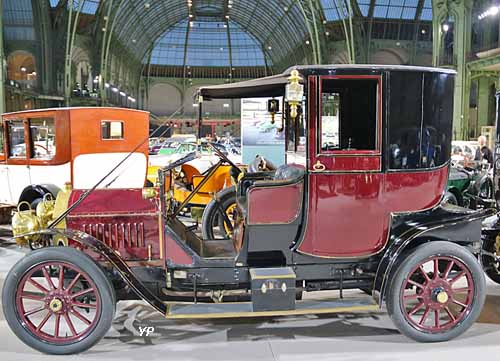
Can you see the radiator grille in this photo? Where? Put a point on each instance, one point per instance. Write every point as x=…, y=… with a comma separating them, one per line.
x=117, y=235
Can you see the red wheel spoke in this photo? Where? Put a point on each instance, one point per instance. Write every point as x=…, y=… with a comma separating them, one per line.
x=416, y=284
x=459, y=303
x=424, y=316
x=448, y=269
x=462, y=289
x=32, y=312
x=426, y=276
x=457, y=277
x=84, y=305
x=70, y=324
x=48, y=279
x=81, y=317
x=436, y=318
x=448, y=311
x=60, y=286
x=33, y=296
x=412, y=296
x=38, y=285
x=416, y=308
x=73, y=283
x=58, y=322
x=83, y=292
x=436, y=268
x=44, y=321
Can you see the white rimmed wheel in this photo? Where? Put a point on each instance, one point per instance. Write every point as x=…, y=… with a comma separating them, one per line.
x=58, y=301
x=437, y=292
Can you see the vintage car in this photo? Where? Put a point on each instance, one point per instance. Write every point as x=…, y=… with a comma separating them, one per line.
x=350, y=217
x=470, y=187
x=44, y=149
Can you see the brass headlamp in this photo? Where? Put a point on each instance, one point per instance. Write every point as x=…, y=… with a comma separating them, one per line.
x=294, y=92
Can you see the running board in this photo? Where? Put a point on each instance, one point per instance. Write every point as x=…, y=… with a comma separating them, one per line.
x=245, y=309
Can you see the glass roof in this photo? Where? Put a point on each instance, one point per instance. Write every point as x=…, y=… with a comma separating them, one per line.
x=88, y=7
x=18, y=20
x=335, y=10
x=54, y=3
x=277, y=26
x=214, y=44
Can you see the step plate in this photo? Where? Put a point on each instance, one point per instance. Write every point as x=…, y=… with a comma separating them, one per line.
x=244, y=309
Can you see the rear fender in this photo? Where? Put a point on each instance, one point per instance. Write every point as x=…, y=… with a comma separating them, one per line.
x=126, y=273
x=444, y=223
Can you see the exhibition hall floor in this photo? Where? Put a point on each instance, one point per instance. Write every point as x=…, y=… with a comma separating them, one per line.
x=362, y=336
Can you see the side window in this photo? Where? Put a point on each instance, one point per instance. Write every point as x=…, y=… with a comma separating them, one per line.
x=17, y=144
x=111, y=130
x=405, y=125
x=348, y=118
x=43, y=138
x=419, y=133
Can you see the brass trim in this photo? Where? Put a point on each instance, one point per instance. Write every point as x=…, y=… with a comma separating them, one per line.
x=319, y=167
x=168, y=315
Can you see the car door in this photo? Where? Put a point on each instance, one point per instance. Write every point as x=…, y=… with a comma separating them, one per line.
x=345, y=216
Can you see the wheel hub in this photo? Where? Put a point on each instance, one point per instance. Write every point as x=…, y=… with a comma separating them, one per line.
x=440, y=295
x=56, y=305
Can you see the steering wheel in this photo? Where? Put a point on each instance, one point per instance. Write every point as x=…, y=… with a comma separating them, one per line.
x=222, y=156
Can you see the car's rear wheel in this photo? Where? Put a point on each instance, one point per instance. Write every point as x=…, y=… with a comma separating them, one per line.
x=436, y=293
x=58, y=301
x=490, y=258
x=450, y=198
x=213, y=225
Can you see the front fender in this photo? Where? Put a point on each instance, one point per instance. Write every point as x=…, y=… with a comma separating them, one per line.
x=114, y=259
x=445, y=223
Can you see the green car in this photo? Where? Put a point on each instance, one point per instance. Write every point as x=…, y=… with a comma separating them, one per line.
x=470, y=188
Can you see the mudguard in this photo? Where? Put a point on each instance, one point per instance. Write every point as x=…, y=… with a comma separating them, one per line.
x=114, y=259
x=32, y=192
x=445, y=223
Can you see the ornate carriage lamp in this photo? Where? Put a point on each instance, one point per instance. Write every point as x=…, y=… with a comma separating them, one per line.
x=294, y=92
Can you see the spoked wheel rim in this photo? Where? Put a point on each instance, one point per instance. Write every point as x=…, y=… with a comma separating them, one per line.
x=437, y=294
x=58, y=303
x=230, y=213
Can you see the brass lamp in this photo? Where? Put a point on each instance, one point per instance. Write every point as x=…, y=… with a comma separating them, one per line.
x=294, y=92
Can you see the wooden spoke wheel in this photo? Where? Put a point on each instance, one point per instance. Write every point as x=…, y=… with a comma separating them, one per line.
x=58, y=301
x=437, y=292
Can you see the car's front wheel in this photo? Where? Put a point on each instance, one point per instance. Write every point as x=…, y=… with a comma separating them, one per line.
x=437, y=292
x=58, y=301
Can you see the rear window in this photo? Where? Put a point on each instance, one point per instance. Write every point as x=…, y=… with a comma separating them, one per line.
x=111, y=129
x=17, y=145
x=43, y=138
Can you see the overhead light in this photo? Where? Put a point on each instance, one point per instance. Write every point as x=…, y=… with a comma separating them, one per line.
x=191, y=23
x=33, y=73
x=269, y=47
x=327, y=33
x=123, y=94
x=446, y=27
x=195, y=105
x=308, y=42
x=225, y=105
x=115, y=90
x=107, y=85
x=23, y=69
x=147, y=5
x=227, y=16
x=131, y=99
x=190, y=15
x=492, y=11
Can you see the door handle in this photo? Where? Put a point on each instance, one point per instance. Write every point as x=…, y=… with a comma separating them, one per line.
x=319, y=166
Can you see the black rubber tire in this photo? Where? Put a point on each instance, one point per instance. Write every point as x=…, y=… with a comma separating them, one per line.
x=211, y=215
x=79, y=260
x=490, y=266
x=415, y=257
x=450, y=198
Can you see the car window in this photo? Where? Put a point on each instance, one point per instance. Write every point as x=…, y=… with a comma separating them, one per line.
x=1, y=137
x=43, y=135
x=111, y=130
x=17, y=145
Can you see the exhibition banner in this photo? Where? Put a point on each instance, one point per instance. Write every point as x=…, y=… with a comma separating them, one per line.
x=259, y=135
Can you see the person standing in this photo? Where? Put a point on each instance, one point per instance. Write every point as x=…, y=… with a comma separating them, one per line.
x=483, y=152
